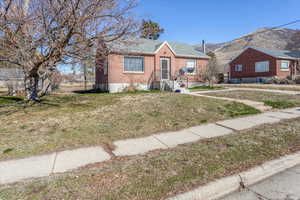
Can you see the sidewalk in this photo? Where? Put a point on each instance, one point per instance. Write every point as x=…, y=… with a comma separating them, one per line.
x=250, y=89
x=258, y=105
x=41, y=166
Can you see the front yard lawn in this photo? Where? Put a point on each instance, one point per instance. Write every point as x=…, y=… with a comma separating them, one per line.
x=275, y=100
x=63, y=122
x=164, y=173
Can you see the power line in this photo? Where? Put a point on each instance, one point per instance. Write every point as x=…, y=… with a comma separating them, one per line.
x=290, y=23
x=275, y=27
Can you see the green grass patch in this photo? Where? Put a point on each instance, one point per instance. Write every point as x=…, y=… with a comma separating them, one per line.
x=238, y=109
x=280, y=104
x=5, y=100
x=205, y=87
x=164, y=173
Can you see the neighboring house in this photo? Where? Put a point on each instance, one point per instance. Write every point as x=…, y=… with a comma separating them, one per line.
x=258, y=64
x=150, y=64
x=11, y=74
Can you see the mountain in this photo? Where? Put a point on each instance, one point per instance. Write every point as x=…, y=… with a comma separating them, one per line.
x=270, y=38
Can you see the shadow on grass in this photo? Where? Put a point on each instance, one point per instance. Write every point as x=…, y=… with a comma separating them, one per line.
x=92, y=91
x=8, y=99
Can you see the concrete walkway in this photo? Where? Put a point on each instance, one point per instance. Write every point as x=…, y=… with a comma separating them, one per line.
x=249, y=89
x=41, y=166
x=267, y=90
x=258, y=105
x=283, y=186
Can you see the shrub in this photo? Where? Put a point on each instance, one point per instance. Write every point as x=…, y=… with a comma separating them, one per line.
x=273, y=80
x=297, y=80
x=282, y=81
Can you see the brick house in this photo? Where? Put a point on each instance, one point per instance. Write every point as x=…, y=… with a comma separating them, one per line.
x=150, y=64
x=258, y=64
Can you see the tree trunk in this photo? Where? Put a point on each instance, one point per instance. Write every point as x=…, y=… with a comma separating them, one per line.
x=85, y=78
x=32, y=88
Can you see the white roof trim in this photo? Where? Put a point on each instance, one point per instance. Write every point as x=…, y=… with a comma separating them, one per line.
x=163, y=44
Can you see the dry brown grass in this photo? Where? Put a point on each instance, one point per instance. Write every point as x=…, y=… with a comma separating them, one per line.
x=163, y=173
x=63, y=122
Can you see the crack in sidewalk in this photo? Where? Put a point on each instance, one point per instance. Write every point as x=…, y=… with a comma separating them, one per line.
x=54, y=162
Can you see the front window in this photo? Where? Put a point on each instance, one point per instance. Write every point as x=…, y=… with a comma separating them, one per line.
x=133, y=64
x=191, y=66
x=262, y=66
x=238, y=68
x=285, y=65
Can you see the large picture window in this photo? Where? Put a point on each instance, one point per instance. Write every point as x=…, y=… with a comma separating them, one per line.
x=262, y=66
x=191, y=66
x=133, y=64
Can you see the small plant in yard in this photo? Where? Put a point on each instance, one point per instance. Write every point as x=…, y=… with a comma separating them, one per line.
x=279, y=104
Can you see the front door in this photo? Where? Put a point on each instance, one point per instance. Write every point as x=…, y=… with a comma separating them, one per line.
x=165, y=68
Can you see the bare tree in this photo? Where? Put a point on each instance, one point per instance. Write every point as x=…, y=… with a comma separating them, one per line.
x=211, y=70
x=37, y=35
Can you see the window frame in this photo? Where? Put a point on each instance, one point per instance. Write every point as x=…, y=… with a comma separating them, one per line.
x=195, y=67
x=285, y=69
x=134, y=72
x=256, y=63
x=241, y=67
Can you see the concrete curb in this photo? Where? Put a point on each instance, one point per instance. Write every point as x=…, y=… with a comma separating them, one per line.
x=230, y=184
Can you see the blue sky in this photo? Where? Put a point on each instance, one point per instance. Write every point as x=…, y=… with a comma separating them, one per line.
x=191, y=21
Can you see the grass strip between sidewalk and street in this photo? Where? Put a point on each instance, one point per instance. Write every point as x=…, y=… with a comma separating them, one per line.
x=164, y=173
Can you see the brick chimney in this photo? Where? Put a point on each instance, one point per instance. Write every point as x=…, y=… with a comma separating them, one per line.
x=203, y=46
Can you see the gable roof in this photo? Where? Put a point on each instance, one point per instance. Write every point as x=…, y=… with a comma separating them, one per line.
x=284, y=54
x=281, y=54
x=146, y=46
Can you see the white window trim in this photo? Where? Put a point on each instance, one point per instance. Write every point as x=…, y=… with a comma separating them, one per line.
x=195, y=61
x=262, y=62
x=285, y=61
x=238, y=66
x=134, y=72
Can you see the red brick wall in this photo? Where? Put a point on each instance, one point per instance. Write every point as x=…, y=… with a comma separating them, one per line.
x=248, y=60
x=283, y=74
